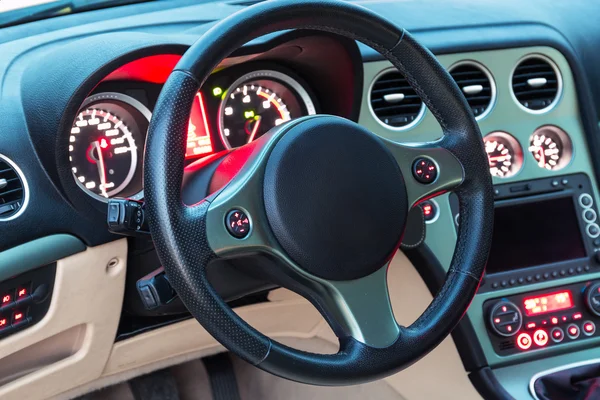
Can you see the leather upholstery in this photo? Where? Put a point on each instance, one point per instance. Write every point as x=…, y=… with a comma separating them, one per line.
x=181, y=241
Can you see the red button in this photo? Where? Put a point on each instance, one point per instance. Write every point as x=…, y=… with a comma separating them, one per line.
x=589, y=328
x=564, y=318
x=540, y=337
x=557, y=335
x=18, y=316
x=6, y=299
x=531, y=325
x=573, y=331
x=554, y=320
x=524, y=341
x=22, y=293
x=3, y=322
x=577, y=316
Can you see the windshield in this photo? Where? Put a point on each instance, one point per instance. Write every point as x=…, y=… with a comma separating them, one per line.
x=13, y=12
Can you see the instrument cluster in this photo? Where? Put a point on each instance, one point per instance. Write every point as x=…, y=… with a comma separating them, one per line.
x=107, y=138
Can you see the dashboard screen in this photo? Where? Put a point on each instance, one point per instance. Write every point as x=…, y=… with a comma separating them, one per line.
x=535, y=233
x=198, y=141
x=548, y=303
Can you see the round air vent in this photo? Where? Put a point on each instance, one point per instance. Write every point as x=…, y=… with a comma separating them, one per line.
x=13, y=190
x=478, y=86
x=393, y=102
x=536, y=84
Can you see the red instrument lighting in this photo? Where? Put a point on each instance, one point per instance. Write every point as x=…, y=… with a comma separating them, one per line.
x=573, y=331
x=524, y=341
x=557, y=334
x=554, y=320
x=198, y=140
x=427, y=209
x=548, y=303
x=103, y=143
x=540, y=337
x=588, y=327
x=531, y=325
x=3, y=322
x=18, y=316
x=6, y=299
x=21, y=293
x=577, y=316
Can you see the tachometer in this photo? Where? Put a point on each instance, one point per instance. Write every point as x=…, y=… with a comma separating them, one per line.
x=257, y=102
x=551, y=147
x=106, y=145
x=505, y=155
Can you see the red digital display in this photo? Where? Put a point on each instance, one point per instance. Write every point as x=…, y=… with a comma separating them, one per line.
x=548, y=303
x=198, y=141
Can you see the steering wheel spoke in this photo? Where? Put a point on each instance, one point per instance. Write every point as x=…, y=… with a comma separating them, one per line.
x=429, y=169
x=359, y=308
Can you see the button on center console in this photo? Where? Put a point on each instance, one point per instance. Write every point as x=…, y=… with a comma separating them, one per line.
x=506, y=319
x=557, y=335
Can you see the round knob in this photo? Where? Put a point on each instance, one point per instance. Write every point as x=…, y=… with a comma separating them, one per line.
x=506, y=318
x=592, y=298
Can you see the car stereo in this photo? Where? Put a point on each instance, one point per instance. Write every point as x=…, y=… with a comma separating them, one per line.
x=544, y=318
x=544, y=229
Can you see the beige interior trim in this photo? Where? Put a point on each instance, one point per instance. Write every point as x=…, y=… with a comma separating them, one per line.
x=76, y=352
x=87, y=300
x=292, y=320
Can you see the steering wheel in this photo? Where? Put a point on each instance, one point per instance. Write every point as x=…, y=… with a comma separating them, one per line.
x=326, y=199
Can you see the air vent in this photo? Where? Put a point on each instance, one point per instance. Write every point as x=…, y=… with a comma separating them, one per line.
x=394, y=102
x=13, y=191
x=536, y=84
x=477, y=85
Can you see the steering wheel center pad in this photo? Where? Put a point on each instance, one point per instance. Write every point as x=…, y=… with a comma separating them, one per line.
x=335, y=198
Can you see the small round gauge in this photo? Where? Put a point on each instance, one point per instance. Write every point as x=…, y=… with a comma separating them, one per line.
x=106, y=145
x=504, y=153
x=551, y=147
x=257, y=102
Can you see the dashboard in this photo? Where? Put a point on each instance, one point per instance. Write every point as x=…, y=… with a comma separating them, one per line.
x=75, y=138
x=234, y=108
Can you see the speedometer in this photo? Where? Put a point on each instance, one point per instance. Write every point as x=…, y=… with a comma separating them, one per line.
x=106, y=145
x=551, y=147
x=505, y=156
x=257, y=102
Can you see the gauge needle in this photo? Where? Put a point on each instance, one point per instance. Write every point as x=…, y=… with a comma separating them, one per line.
x=542, y=159
x=101, y=170
x=254, y=129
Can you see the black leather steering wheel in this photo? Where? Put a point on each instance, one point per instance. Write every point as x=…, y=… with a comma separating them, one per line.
x=326, y=199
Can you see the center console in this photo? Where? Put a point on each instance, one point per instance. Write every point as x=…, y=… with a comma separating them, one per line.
x=544, y=229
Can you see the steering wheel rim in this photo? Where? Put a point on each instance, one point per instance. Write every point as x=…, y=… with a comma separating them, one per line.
x=185, y=235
